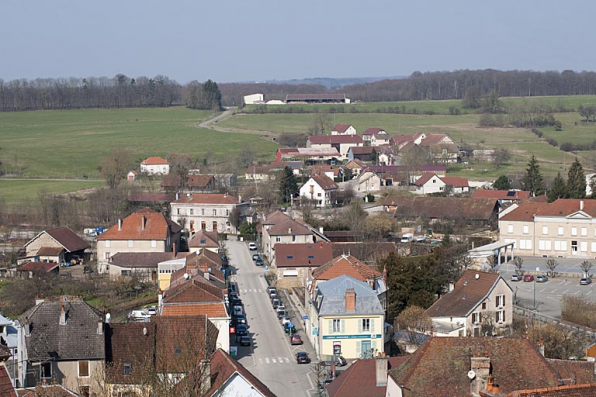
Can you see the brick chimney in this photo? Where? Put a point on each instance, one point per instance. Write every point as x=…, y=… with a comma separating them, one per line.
x=62, y=316
x=350, y=300
x=381, y=370
x=481, y=367
x=99, y=327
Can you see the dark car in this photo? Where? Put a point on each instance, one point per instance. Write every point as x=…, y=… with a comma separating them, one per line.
x=271, y=289
x=275, y=303
x=245, y=340
x=302, y=358
x=241, y=330
x=528, y=278
x=255, y=257
x=259, y=262
x=235, y=302
x=585, y=281
x=225, y=261
x=289, y=328
x=295, y=339
x=233, y=295
x=340, y=361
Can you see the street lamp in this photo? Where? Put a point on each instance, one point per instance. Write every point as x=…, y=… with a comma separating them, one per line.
x=537, y=270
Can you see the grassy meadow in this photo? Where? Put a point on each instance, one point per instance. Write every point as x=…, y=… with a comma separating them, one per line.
x=14, y=191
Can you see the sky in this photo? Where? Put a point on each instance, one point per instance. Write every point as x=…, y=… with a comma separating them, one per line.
x=230, y=41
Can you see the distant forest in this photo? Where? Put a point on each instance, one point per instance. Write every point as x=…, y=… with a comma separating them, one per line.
x=160, y=91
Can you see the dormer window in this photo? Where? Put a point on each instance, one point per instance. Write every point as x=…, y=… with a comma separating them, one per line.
x=127, y=368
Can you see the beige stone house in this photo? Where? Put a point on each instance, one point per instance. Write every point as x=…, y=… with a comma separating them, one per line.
x=56, y=245
x=211, y=212
x=565, y=228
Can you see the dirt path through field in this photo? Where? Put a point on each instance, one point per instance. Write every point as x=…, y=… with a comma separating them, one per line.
x=211, y=124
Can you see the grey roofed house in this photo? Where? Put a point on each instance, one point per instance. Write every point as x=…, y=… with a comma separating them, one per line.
x=77, y=339
x=330, y=297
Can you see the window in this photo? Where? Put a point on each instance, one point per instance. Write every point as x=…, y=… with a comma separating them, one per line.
x=191, y=211
x=593, y=247
x=227, y=212
x=584, y=231
x=46, y=370
x=107, y=243
x=153, y=243
x=203, y=241
x=574, y=231
x=366, y=349
x=574, y=246
x=544, y=229
x=526, y=229
x=544, y=245
x=318, y=194
x=107, y=255
x=214, y=226
x=203, y=226
x=500, y=316
x=336, y=325
x=366, y=325
x=293, y=238
x=127, y=368
x=214, y=212
x=476, y=318
x=277, y=239
x=177, y=350
x=510, y=229
x=484, y=305
x=202, y=211
x=177, y=211
x=583, y=246
x=83, y=369
x=125, y=273
x=85, y=391
x=560, y=231
x=500, y=301
x=131, y=243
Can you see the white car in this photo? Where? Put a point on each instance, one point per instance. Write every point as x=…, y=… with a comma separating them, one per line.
x=138, y=315
x=252, y=246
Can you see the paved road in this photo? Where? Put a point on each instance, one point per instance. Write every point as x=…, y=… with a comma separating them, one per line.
x=566, y=265
x=270, y=358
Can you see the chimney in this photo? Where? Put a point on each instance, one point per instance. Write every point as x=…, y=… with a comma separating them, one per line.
x=451, y=286
x=62, y=316
x=143, y=222
x=119, y=224
x=27, y=327
x=481, y=367
x=381, y=370
x=159, y=299
x=581, y=205
x=99, y=327
x=321, y=230
x=177, y=196
x=350, y=300
x=206, y=275
x=38, y=300
x=289, y=230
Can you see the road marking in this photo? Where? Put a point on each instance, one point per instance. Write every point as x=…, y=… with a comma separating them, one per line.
x=281, y=360
x=589, y=292
x=577, y=292
x=564, y=292
x=274, y=362
x=553, y=291
x=261, y=360
x=542, y=290
x=562, y=282
x=267, y=360
x=287, y=360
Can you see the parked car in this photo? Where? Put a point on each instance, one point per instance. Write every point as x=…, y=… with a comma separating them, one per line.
x=516, y=277
x=245, y=340
x=528, y=278
x=260, y=262
x=236, y=302
x=241, y=330
x=152, y=310
x=289, y=328
x=252, y=246
x=285, y=320
x=420, y=239
x=273, y=295
x=237, y=310
x=541, y=278
x=281, y=311
x=255, y=257
x=233, y=295
x=138, y=315
x=275, y=302
x=295, y=339
x=271, y=288
x=585, y=281
x=323, y=383
x=302, y=358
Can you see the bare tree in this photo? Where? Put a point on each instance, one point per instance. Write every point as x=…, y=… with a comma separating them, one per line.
x=180, y=164
x=415, y=322
x=552, y=264
x=114, y=168
x=586, y=266
x=487, y=323
x=518, y=263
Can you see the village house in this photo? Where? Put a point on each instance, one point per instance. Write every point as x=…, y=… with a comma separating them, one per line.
x=131, y=176
x=361, y=153
x=141, y=231
x=430, y=183
x=327, y=170
x=343, y=129
x=486, y=367
x=340, y=142
x=312, y=155
x=480, y=304
x=346, y=319
x=320, y=190
x=31, y=269
x=143, y=265
x=61, y=342
x=294, y=262
x=204, y=239
x=58, y=245
x=155, y=166
x=564, y=228
x=356, y=166
x=464, y=210
x=376, y=137
x=209, y=212
x=193, y=183
x=171, y=270
x=439, y=146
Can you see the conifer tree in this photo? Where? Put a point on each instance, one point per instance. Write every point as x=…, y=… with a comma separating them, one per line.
x=558, y=190
x=576, y=181
x=533, y=180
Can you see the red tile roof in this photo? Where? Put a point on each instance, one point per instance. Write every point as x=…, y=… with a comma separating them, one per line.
x=211, y=310
x=325, y=182
x=341, y=128
x=143, y=259
x=427, y=176
x=580, y=371
x=455, y=181
x=196, y=290
x=204, y=239
x=503, y=194
x=68, y=239
x=356, y=163
x=565, y=207
x=144, y=224
x=223, y=367
x=199, y=181
x=524, y=212
x=288, y=227
x=359, y=380
x=303, y=255
x=346, y=265
x=39, y=266
x=373, y=131
x=50, y=251
x=467, y=294
x=334, y=139
x=440, y=366
x=154, y=161
x=206, y=198
x=46, y=390
x=478, y=209
x=6, y=389
x=362, y=150
x=583, y=390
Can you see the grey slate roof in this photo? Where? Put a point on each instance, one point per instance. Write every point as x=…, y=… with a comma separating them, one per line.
x=331, y=297
x=76, y=340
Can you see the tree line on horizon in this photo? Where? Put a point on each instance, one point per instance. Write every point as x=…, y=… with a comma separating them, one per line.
x=160, y=91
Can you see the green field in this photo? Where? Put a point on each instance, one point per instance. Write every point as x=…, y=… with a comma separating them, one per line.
x=14, y=191
x=73, y=143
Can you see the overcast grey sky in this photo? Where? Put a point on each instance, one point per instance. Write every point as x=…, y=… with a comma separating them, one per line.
x=273, y=39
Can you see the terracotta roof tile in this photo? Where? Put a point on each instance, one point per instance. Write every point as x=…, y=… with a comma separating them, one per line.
x=287, y=227
x=334, y=139
x=502, y=194
x=303, y=255
x=346, y=265
x=524, y=212
x=6, y=389
x=467, y=294
x=479, y=209
x=362, y=149
x=579, y=372
x=324, y=182
x=204, y=239
x=68, y=239
x=200, y=181
x=424, y=178
x=144, y=224
x=50, y=251
x=143, y=259
x=373, y=131
x=341, y=128
x=565, y=207
x=583, y=390
x=39, y=266
x=211, y=310
x=154, y=161
x=193, y=291
x=206, y=198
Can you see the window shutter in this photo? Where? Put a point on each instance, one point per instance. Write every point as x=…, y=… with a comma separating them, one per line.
x=358, y=348
x=374, y=346
x=497, y=301
x=479, y=317
x=503, y=299
x=503, y=315
x=360, y=328
x=497, y=316
x=342, y=329
x=330, y=326
x=372, y=325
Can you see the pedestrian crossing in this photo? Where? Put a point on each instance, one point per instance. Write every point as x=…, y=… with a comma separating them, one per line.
x=274, y=360
x=244, y=291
